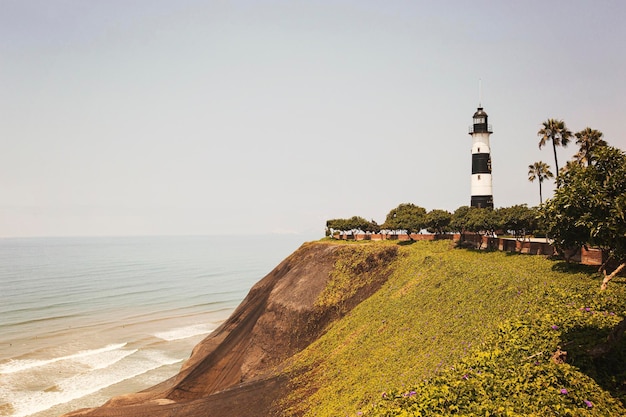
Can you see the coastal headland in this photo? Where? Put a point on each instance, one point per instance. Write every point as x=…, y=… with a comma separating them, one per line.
x=420, y=328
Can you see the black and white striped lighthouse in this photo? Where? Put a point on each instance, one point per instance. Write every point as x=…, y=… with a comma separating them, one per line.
x=482, y=194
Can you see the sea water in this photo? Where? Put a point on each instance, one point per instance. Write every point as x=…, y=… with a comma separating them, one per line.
x=85, y=319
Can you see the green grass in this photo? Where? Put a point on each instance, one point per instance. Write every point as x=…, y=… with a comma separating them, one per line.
x=460, y=332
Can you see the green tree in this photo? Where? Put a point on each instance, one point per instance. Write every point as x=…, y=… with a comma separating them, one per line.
x=519, y=220
x=590, y=208
x=539, y=171
x=351, y=226
x=589, y=141
x=555, y=131
x=438, y=221
x=335, y=225
x=483, y=221
x=459, y=220
x=407, y=217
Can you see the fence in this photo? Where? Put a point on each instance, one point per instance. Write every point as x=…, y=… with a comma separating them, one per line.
x=585, y=256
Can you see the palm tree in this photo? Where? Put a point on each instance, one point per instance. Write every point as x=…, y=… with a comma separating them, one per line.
x=539, y=170
x=589, y=141
x=555, y=131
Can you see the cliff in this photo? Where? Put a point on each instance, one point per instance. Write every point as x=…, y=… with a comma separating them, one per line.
x=236, y=370
x=408, y=328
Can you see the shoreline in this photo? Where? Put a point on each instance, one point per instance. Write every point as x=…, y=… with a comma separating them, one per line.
x=17, y=345
x=85, y=367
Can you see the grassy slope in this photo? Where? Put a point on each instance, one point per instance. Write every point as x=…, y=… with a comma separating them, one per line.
x=458, y=331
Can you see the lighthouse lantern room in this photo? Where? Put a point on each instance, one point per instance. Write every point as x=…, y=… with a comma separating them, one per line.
x=482, y=194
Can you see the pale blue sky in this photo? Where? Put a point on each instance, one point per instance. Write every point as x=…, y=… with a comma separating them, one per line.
x=211, y=117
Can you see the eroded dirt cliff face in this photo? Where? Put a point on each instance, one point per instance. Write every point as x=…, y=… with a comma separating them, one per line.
x=235, y=371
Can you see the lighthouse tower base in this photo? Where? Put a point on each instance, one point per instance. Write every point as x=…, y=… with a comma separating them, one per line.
x=482, y=201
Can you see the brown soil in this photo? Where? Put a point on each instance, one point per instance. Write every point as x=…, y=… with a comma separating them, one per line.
x=235, y=370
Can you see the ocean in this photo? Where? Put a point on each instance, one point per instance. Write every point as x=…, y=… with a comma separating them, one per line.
x=85, y=319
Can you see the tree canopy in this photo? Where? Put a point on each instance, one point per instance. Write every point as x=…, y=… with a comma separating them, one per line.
x=519, y=220
x=589, y=141
x=589, y=208
x=484, y=221
x=406, y=216
x=458, y=223
x=555, y=131
x=539, y=171
x=438, y=221
x=351, y=225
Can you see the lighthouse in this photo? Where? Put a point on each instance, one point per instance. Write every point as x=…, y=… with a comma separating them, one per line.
x=482, y=194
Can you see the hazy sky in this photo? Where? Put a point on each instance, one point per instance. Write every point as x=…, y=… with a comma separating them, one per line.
x=206, y=117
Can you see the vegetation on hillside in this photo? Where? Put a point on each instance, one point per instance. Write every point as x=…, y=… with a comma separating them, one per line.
x=462, y=332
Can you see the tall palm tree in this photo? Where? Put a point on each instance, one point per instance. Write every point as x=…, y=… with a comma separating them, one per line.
x=539, y=170
x=589, y=141
x=555, y=131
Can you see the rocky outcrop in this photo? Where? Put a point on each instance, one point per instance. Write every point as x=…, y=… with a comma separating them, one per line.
x=236, y=370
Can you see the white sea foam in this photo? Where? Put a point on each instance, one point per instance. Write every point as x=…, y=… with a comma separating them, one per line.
x=105, y=359
x=19, y=365
x=25, y=403
x=185, y=332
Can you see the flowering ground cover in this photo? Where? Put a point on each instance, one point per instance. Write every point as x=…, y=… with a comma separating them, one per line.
x=462, y=332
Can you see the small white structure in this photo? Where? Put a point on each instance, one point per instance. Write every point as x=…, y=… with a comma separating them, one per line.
x=482, y=194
